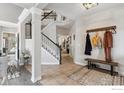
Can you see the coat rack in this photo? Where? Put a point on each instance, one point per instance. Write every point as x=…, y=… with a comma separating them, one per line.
x=103, y=29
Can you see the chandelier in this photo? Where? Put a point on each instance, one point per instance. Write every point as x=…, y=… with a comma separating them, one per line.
x=89, y=5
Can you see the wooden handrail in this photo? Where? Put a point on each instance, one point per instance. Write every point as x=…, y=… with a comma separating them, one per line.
x=50, y=40
x=46, y=15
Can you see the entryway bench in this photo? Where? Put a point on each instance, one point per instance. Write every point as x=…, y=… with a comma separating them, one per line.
x=93, y=61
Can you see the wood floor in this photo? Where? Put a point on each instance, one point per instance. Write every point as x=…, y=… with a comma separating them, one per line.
x=67, y=73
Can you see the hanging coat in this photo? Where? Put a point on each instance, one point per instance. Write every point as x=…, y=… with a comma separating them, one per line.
x=108, y=44
x=88, y=46
x=108, y=39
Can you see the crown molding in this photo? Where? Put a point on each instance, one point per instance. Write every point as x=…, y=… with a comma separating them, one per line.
x=8, y=24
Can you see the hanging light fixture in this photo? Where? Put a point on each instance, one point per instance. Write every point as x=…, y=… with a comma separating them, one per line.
x=89, y=5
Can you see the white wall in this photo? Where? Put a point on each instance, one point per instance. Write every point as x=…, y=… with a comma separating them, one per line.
x=50, y=31
x=9, y=29
x=72, y=45
x=47, y=21
x=62, y=30
x=28, y=45
x=1, y=37
x=101, y=19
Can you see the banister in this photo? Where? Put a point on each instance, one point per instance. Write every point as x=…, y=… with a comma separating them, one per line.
x=46, y=15
x=50, y=40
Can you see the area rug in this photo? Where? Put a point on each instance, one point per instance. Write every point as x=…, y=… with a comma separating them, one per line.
x=79, y=74
x=94, y=77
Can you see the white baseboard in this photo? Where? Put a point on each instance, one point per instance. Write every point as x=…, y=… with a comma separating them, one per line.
x=36, y=79
x=79, y=63
x=46, y=63
x=21, y=64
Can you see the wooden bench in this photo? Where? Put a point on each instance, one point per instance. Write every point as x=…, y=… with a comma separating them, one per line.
x=92, y=61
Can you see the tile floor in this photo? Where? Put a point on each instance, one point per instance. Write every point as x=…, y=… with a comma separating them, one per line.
x=24, y=79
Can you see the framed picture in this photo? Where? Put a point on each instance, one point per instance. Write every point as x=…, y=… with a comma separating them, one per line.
x=28, y=31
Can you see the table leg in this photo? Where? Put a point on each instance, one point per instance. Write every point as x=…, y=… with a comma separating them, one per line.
x=88, y=64
x=111, y=70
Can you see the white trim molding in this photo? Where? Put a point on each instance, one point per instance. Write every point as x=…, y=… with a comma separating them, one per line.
x=8, y=24
x=25, y=13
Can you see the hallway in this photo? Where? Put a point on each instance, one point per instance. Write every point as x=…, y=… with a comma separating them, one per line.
x=69, y=73
x=60, y=74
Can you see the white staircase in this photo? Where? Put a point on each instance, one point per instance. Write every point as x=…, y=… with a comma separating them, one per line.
x=50, y=50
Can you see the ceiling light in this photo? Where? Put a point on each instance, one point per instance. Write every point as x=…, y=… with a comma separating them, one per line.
x=89, y=5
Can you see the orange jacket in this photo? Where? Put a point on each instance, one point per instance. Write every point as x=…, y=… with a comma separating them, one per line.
x=108, y=39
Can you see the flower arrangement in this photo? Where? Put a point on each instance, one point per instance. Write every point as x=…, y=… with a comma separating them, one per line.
x=26, y=55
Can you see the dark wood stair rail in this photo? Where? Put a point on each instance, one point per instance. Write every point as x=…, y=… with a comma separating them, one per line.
x=46, y=15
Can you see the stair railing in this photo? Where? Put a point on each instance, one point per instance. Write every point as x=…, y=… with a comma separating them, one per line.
x=50, y=46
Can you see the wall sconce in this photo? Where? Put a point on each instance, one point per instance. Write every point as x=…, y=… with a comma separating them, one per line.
x=89, y=5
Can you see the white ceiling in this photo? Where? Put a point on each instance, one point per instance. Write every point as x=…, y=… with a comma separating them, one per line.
x=30, y=5
x=9, y=12
x=66, y=24
x=69, y=10
x=73, y=10
x=25, y=5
